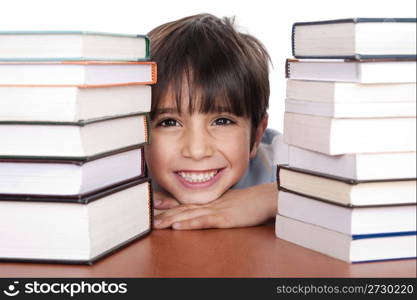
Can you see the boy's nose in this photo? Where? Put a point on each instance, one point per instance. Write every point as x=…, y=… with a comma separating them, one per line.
x=197, y=145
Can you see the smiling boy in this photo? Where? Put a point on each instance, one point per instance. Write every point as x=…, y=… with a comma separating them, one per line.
x=208, y=118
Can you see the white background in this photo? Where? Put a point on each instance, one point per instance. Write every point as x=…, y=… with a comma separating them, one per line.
x=268, y=20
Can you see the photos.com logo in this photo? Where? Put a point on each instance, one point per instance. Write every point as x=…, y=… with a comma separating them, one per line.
x=70, y=289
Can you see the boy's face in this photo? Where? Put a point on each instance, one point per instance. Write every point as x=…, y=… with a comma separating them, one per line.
x=197, y=157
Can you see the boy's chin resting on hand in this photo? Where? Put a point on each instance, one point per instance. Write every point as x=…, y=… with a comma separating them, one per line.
x=236, y=208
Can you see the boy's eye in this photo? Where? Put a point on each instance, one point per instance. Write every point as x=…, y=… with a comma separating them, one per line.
x=168, y=123
x=223, y=121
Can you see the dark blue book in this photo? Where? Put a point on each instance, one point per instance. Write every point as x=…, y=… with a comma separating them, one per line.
x=358, y=38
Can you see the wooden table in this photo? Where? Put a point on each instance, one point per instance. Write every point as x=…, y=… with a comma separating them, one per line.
x=243, y=252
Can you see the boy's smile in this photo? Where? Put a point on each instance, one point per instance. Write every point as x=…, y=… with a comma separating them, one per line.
x=198, y=178
x=196, y=157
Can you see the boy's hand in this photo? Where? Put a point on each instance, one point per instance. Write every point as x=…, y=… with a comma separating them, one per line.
x=163, y=200
x=236, y=208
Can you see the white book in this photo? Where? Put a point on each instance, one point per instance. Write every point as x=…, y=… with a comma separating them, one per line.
x=357, y=166
x=348, y=220
x=358, y=37
x=343, y=246
x=71, y=104
x=345, y=191
x=72, y=45
x=354, y=135
x=77, y=73
x=73, y=139
x=79, y=230
x=350, y=93
x=44, y=176
x=351, y=110
x=352, y=71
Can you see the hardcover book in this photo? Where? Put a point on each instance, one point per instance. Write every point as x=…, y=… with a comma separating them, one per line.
x=351, y=110
x=356, y=166
x=73, y=139
x=72, y=104
x=345, y=191
x=355, y=221
x=72, y=45
x=354, y=71
x=77, y=73
x=334, y=136
x=75, y=230
x=69, y=176
x=350, y=93
x=345, y=247
x=355, y=38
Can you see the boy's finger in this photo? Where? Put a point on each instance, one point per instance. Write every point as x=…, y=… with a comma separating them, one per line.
x=166, y=213
x=165, y=203
x=179, y=209
x=201, y=222
x=165, y=220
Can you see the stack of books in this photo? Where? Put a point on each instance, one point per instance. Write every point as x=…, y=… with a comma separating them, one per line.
x=73, y=123
x=349, y=189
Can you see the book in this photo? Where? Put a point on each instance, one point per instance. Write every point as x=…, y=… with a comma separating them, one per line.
x=66, y=177
x=356, y=166
x=350, y=93
x=71, y=104
x=355, y=71
x=352, y=110
x=72, y=45
x=354, y=221
x=77, y=73
x=346, y=247
x=344, y=191
x=355, y=38
x=72, y=139
x=75, y=231
x=335, y=136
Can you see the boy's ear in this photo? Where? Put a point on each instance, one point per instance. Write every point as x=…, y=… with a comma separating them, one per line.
x=258, y=136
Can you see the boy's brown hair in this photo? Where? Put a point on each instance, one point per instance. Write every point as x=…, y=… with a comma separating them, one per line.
x=227, y=69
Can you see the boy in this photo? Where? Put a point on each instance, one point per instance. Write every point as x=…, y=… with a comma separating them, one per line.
x=208, y=118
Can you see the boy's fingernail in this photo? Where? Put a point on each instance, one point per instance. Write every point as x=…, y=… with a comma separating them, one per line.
x=176, y=225
x=157, y=222
x=157, y=202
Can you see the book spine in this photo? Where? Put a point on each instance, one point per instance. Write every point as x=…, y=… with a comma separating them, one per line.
x=287, y=68
x=79, y=198
x=382, y=234
x=154, y=73
x=361, y=57
x=358, y=20
x=385, y=20
x=325, y=22
x=278, y=178
x=148, y=47
x=147, y=126
x=349, y=181
x=150, y=191
x=77, y=160
x=80, y=123
x=293, y=39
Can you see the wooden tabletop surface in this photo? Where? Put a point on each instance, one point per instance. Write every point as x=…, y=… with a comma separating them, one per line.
x=242, y=252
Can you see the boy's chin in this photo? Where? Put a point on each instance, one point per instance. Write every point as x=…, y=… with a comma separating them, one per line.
x=197, y=198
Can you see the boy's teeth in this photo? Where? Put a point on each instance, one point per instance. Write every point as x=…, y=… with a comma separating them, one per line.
x=197, y=177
